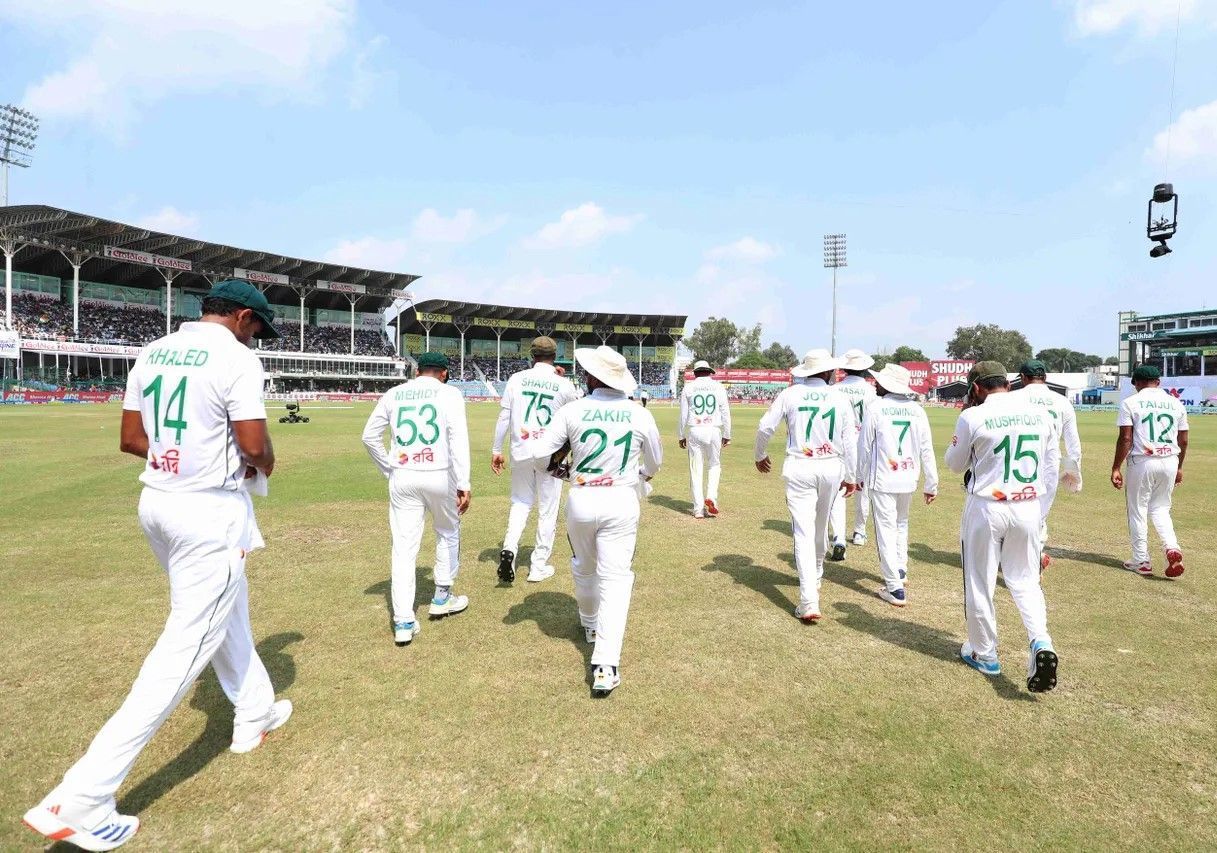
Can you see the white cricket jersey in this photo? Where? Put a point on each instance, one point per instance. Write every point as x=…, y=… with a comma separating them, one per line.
x=530, y=400
x=1009, y=443
x=428, y=430
x=896, y=446
x=612, y=439
x=1062, y=410
x=703, y=403
x=1156, y=419
x=860, y=393
x=820, y=424
x=189, y=387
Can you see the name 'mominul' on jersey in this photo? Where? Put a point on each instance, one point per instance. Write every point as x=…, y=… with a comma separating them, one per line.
x=189, y=387
x=1156, y=419
x=530, y=400
x=426, y=419
x=612, y=439
x=895, y=446
x=703, y=403
x=1009, y=443
x=820, y=424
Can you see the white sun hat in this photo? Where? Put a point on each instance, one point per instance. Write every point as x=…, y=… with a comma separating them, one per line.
x=607, y=365
x=856, y=359
x=815, y=362
x=702, y=365
x=894, y=378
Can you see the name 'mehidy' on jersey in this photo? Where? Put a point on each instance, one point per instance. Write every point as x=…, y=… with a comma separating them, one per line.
x=1156, y=419
x=1009, y=443
x=612, y=440
x=530, y=400
x=895, y=446
x=820, y=424
x=703, y=403
x=428, y=430
x=189, y=387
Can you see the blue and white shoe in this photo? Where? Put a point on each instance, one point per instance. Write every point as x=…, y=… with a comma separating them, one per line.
x=404, y=632
x=448, y=605
x=990, y=668
x=115, y=831
x=904, y=575
x=1041, y=667
x=894, y=597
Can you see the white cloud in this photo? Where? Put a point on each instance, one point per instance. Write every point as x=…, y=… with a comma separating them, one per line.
x=1103, y=17
x=371, y=253
x=1192, y=138
x=582, y=226
x=431, y=226
x=170, y=220
x=366, y=80
x=125, y=56
x=747, y=250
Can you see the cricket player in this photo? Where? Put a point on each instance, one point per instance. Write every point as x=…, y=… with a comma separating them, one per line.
x=614, y=449
x=1034, y=374
x=821, y=458
x=428, y=471
x=528, y=405
x=859, y=388
x=1009, y=444
x=705, y=429
x=1153, y=438
x=894, y=449
x=193, y=412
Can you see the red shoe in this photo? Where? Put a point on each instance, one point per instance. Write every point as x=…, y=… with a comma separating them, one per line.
x=711, y=508
x=1045, y=561
x=1174, y=563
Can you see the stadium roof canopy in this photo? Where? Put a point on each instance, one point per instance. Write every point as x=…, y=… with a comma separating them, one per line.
x=132, y=256
x=446, y=317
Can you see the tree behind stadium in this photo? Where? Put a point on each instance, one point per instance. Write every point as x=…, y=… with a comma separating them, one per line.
x=990, y=342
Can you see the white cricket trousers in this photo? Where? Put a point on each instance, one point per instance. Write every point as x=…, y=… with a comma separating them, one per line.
x=531, y=483
x=813, y=486
x=891, y=514
x=862, y=509
x=602, y=524
x=705, y=452
x=1149, y=487
x=201, y=540
x=993, y=534
x=413, y=494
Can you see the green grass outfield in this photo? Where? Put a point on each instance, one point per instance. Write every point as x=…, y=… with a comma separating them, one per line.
x=736, y=725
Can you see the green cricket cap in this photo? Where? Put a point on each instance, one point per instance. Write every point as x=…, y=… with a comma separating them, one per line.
x=1146, y=373
x=1034, y=369
x=983, y=370
x=245, y=294
x=434, y=360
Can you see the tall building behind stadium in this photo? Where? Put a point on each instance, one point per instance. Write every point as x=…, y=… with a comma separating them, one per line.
x=82, y=294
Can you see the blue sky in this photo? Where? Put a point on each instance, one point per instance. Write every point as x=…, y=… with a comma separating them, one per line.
x=990, y=162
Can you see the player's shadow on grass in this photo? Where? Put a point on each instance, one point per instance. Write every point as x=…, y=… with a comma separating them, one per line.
x=523, y=559
x=557, y=615
x=217, y=734
x=1105, y=560
x=684, y=507
x=922, y=553
x=778, y=526
x=760, y=579
x=839, y=573
x=928, y=641
x=422, y=590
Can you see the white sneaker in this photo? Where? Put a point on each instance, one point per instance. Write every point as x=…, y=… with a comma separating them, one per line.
x=404, y=632
x=808, y=613
x=114, y=831
x=605, y=679
x=536, y=574
x=451, y=604
x=246, y=737
x=858, y=539
x=589, y=634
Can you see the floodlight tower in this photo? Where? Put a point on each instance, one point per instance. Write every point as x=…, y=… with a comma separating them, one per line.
x=834, y=257
x=18, y=130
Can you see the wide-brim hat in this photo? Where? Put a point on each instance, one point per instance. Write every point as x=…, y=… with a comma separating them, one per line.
x=607, y=365
x=702, y=366
x=815, y=362
x=893, y=378
x=856, y=359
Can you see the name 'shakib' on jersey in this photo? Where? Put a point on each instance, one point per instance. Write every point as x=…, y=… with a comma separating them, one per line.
x=820, y=424
x=189, y=387
x=895, y=447
x=1156, y=419
x=613, y=440
x=704, y=403
x=427, y=429
x=1008, y=443
x=530, y=400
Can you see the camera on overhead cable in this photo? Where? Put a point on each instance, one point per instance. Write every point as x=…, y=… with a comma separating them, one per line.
x=1161, y=219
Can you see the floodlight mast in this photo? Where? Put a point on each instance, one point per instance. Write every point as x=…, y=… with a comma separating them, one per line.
x=18, y=133
x=834, y=257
